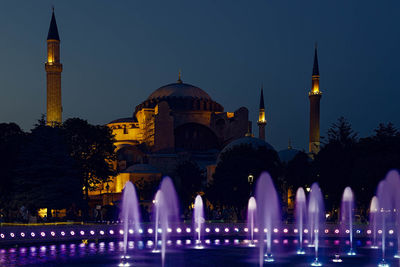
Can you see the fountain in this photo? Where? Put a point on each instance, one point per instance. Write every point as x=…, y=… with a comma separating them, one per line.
x=130, y=212
x=373, y=214
x=316, y=218
x=167, y=212
x=268, y=214
x=156, y=209
x=251, y=212
x=347, y=215
x=301, y=209
x=198, y=215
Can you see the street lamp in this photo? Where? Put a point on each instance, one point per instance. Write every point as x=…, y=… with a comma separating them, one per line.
x=250, y=179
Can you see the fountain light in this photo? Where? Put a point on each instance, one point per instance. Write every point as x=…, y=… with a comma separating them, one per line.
x=188, y=230
x=111, y=232
x=380, y=231
x=178, y=230
x=207, y=230
x=276, y=230
x=179, y=242
x=347, y=231
x=351, y=252
x=150, y=231
x=391, y=232
x=2, y=235
x=337, y=258
x=305, y=231
x=236, y=229
x=337, y=231
x=300, y=252
x=265, y=230
x=101, y=232
x=52, y=233
x=23, y=234
x=358, y=231
x=255, y=230
x=326, y=231
x=82, y=232
x=246, y=229
x=169, y=230
x=285, y=230
x=316, y=262
x=383, y=263
x=140, y=231
x=226, y=230
x=159, y=230
x=208, y=241
x=369, y=232
x=188, y=241
x=43, y=234
x=226, y=241
x=269, y=258
x=216, y=230
x=296, y=231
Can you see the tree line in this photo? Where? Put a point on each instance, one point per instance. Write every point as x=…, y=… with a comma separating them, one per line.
x=53, y=167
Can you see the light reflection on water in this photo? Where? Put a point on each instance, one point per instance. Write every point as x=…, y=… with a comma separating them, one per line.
x=63, y=252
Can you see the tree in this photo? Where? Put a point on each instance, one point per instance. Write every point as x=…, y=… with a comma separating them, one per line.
x=92, y=147
x=334, y=163
x=46, y=175
x=230, y=182
x=298, y=171
x=189, y=180
x=11, y=140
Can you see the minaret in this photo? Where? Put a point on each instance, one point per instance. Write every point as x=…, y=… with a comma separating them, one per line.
x=315, y=96
x=53, y=75
x=261, y=117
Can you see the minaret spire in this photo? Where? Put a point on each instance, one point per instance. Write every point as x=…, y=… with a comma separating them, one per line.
x=262, y=122
x=53, y=74
x=315, y=96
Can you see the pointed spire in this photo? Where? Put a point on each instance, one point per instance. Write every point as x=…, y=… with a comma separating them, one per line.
x=179, y=77
x=53, y=30
x=262, y=98
x=315, y=67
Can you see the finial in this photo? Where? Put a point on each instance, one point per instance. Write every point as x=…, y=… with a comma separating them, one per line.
x=289, y=144
x=179, y=77
x=316, y=45
x=52, y=8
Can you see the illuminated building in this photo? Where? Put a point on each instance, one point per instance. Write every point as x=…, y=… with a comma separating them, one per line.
x=177, y=122
x=53, y=75
x=315, y=96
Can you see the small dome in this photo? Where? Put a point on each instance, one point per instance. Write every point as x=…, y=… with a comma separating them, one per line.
x=248, y=140
x=288, y=154
x=179, y=90
x=142, y=168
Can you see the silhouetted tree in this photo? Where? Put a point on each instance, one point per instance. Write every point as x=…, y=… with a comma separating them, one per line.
x=189, y=180
x=230, y=182
x=92, y=147
x=46, y=175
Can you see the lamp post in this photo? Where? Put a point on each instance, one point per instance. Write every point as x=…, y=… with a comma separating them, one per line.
x=250, y=179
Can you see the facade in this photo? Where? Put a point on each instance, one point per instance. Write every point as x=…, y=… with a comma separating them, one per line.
x=53, y=69
x=177, y=122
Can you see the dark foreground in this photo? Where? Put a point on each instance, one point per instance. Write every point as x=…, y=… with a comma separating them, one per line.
x=217, y=252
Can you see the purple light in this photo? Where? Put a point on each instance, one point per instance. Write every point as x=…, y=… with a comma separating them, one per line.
x=347, y=231
x=82, y=232
x=102, y=232
x=296, y=231
x=43, y=234
x=121, y=232
x=285, y=230
x=337, y=231
x=130, y=231
x=2, y=235
x=12, y=234
x=52, y=233
x=216, y=230
x=32, y=234
x=305, y=231
x=62, y=233
x=111, y=232
x=236, y=229
x=326, y=231
x=380, y=231
x=207, y=230
x=72, y=233
x=369, y=232
x=226, y=230
x=23, y=234
x=91, y=232
x=275, y=230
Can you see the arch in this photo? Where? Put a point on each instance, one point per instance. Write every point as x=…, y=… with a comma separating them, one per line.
x=195, y=137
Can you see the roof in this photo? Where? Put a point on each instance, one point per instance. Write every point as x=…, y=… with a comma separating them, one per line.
x=287, y=155
x=142, y=168
x=179, y=89
x=315, y=66
x=53, y=30
x=121, y=120
x=248, y=140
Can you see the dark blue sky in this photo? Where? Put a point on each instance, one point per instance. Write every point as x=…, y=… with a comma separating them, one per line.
x=115, y=53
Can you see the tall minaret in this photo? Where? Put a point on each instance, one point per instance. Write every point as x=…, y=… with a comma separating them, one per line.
x=315, y=96
x=261, y=117
x=53, y=75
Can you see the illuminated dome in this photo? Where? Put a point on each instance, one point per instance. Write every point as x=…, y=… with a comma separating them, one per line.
x=181, y=97
x=179, y=90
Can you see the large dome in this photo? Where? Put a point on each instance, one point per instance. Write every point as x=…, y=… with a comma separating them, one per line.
x=181, y=97
x=179, y=90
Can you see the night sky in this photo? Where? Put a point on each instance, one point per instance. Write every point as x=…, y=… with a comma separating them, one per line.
x=116, y=53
